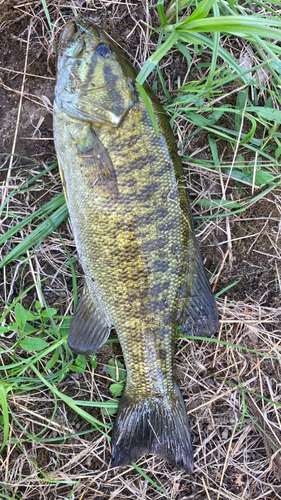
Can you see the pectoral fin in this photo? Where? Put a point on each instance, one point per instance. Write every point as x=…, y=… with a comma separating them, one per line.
x=97, y=166
x=89, y=329
x=63, y=182
x=198, y=313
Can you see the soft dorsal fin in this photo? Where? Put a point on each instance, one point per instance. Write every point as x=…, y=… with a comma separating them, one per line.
x=199, y=314
x=89, y=329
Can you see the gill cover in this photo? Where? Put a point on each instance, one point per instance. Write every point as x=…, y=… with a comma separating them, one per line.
x=93, y=84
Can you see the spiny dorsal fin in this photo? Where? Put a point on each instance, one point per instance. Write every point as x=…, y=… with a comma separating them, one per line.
x=88, y=330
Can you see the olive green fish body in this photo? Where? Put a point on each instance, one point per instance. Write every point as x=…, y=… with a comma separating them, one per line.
x=134, y=235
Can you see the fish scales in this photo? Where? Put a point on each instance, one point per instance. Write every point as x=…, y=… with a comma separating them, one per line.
x=134, y=235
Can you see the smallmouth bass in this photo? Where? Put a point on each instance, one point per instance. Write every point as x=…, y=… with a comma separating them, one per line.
x=134, y=234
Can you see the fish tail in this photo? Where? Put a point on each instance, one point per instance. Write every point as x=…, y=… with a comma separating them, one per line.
x=153, y=425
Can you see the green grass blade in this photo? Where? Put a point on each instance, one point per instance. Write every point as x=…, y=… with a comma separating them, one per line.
x=48, y=208
x=71, y=403
x=262, y=430
x=148, y=107
x=176, y=6
x=241, y=25
x=161, y=12
x=216, y=37
x=266, y=113
x=5, y=412
x=45, y=7
x=229, y=344
x=205, y=41
x=147, y=478
x=201, y=11
x=156, y=57
x=256, y=394
x=38, y=235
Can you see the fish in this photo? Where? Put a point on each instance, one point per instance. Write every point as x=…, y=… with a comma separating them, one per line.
x=133, y=228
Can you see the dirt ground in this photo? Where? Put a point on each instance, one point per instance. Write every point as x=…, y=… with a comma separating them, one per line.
x=236, y=458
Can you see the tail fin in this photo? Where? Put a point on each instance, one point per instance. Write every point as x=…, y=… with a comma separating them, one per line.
x=152, y=426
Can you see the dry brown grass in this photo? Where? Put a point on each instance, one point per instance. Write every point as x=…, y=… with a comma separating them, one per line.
x=232, y=394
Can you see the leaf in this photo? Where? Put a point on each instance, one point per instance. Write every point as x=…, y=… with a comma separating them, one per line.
x=177, y=6
x=4, y=329
x=216, y=38
x=218, y=203
x=44, y=3
x=201, y=11
x=30, y=316
x=214, y=150
x=20, y=315
x=48, y=312
x=64, y=329
x=183, y=49
x=249, y=136
x=216, y=115
x=273, y=115
x=197, y=119
x=93, y=361
x=77, y=369
x=28, y=329
x=276, y=64
x=81, y=361
x=228, y=287
x=241, y=175
x=109, y=411
x=51, y=363
x=116, y=389
x=269, y=103
x=112, y=369
x=277, y=153
x=187, y=99
x=33, y=344
x=248, y=25
x=263, y=177
x=239, y=480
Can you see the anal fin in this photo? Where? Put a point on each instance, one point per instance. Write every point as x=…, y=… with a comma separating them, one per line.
x=199, y=314
x=89, y=329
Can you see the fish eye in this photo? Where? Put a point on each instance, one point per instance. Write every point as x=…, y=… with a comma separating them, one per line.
x=103, y=50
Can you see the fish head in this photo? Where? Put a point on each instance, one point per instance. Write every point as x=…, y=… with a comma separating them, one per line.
x=95, y=83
